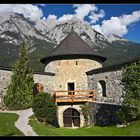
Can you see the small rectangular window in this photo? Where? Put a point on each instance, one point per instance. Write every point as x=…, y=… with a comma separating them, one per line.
x=76, y=62
x=58, y=63
x=71, y=87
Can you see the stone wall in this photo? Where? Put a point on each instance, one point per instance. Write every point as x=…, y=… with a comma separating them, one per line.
x=46, y=80
x=113, y=82
x=71, y=71
x=103, y=114
x=5, y=78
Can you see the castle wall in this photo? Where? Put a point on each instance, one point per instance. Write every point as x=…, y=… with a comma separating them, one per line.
x=71, y=71
x=46, y=80
x=103, y=113
x=5, y=79
x=114, y=86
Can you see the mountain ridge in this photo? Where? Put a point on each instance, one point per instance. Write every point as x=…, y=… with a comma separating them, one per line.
x=43, y=36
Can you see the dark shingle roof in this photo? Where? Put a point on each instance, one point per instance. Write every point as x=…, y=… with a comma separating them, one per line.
x=73, y=45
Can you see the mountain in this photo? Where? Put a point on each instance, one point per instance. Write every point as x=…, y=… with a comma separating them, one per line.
x=13, y=29
x=42, y=36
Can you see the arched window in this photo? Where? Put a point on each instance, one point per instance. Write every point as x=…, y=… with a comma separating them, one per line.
x=102, y=88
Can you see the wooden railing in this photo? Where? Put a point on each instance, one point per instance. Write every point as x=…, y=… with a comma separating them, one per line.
x=75, y=96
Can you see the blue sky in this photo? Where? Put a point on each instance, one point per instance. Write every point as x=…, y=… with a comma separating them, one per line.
x=119, y=19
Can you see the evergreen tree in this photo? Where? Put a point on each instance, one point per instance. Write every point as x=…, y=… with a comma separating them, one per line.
x=19, y=94
x=131, y=103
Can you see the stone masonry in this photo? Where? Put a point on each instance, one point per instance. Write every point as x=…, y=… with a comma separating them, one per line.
x=72, y=70
x=114, y=87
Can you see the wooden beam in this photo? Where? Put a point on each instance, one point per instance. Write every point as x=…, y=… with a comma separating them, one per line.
x=74, y=90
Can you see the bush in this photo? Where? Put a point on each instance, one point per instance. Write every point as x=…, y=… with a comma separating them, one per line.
x=131, y=103
x=44, y=108
x=85, y=111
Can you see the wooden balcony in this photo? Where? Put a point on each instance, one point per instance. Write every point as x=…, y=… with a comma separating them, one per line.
x=74, y=96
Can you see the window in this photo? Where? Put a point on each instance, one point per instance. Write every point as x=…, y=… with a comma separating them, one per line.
x=102, y=88
x=38, y=87
x=76, y=62
x=71, y=88
x=58, y=63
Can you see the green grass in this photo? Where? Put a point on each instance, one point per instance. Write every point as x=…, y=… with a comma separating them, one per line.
x=7, y=125
x=132, y=130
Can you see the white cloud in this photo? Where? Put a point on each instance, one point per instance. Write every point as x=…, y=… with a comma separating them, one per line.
x=50, y=17
x=94, y=17
x=118, y=25
x=83, y=10
x=28, y=10
x=129, y=19
x=114, y=26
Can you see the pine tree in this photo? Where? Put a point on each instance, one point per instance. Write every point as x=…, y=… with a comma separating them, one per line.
x=131, y=103
x=19, y=94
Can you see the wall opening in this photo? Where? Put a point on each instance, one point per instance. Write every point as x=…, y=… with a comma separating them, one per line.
x=102, y=88
x=71, y=87
x=76, y=62
x=71, y=118
x=38, y=87
x=58, y=63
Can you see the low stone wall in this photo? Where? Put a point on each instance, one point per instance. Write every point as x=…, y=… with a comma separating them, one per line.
x=103, y=114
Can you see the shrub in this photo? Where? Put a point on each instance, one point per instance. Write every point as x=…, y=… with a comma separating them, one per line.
x=85, y=111
x=44, y=108
x=131, y=103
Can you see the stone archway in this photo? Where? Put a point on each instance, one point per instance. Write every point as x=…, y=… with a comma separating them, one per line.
x=71, y=118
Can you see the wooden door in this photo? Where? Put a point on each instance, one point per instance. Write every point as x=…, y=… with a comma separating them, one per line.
x=76, y=118
x=67, y=118
x=71, y=117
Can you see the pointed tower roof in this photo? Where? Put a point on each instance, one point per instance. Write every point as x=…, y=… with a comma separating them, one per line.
x=72, y=45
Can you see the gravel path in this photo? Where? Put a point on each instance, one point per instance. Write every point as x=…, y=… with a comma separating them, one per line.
x=22, y=122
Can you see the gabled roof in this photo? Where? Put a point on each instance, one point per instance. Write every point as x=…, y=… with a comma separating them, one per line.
x=72, y=45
